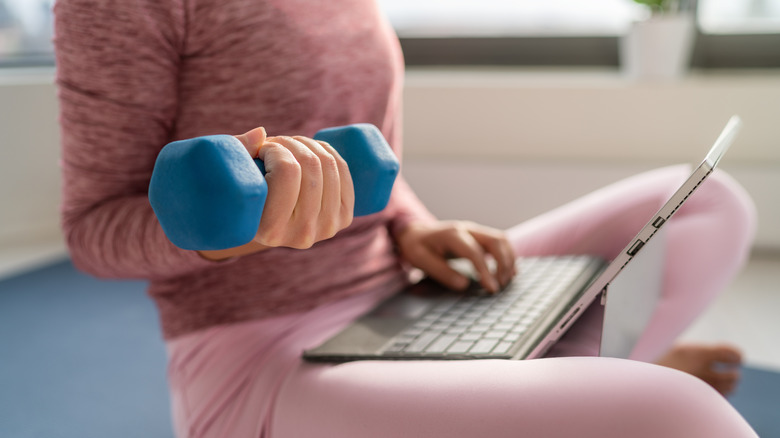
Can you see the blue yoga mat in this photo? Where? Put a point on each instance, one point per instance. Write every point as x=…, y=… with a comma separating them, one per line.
x=80, y=357
x=758, y=400
x=83, y=358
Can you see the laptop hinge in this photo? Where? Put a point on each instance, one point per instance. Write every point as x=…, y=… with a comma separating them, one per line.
x=604, y=295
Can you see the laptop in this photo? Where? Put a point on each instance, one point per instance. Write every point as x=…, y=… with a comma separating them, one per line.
x=428, y=322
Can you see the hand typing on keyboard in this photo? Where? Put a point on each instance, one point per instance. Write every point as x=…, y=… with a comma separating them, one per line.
x=428, y=246
x=472, y=326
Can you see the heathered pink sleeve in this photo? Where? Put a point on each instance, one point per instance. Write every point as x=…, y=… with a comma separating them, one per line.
x=117, y=64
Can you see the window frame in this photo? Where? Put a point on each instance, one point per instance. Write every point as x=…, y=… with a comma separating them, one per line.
x=710, y=51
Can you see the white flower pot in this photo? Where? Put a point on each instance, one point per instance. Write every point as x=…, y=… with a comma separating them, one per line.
x=659, y=47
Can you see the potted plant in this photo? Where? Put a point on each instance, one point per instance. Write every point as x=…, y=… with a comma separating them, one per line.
x=659, y=46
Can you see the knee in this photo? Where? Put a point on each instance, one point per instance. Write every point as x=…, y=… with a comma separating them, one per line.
x=694, y=407
x=732, y=207
x=672, y=403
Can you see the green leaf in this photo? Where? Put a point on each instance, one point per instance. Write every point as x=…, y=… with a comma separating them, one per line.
x=655, y=5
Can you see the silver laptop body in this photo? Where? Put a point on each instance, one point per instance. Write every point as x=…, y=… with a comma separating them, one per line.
x=428, y=322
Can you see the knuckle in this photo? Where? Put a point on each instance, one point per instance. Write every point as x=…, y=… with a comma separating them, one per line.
x=348, y=219
x=305, y=236
x=460, y=229
x=309, y=161
x=329, y=162
x=347, y=215
x=341, y=162
x=270, y=237
x=467, y=225
x=329, y=230
x=303, y=242
x=288, y=168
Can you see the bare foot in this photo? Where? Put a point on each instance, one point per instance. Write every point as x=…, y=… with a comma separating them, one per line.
x=718, y=365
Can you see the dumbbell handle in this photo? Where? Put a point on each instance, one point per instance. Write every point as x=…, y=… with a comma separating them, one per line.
x=209, y=195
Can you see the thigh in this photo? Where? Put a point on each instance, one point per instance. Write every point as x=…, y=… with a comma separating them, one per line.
x=561, y=397
x=602, y=222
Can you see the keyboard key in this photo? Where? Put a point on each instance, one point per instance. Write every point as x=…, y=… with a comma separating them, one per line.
x=429, y=318
x=412, y=332
x=421, y=342
x=502, y=347
x=470, y=336
x=455, y=330
x=473, y=314
x=396, y=348
x=494, y=334
x=512, y=337
x=460, y=347
x=486, y=322
x=441, y=344
x=479, y=328
x=483, y=346
x=520, y=327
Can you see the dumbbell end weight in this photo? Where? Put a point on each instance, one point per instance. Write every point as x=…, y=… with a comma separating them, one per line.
x=371, y=162
x=207, y=194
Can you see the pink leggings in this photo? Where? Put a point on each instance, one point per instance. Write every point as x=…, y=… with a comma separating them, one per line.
x=247, y=379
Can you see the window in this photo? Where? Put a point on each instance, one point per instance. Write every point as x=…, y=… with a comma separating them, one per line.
x=510, y=18
x=739, y=17
x=732, y=33
x=26, y=32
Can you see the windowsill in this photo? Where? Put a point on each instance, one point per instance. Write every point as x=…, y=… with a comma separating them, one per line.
x=563, y=74
x=10, y=76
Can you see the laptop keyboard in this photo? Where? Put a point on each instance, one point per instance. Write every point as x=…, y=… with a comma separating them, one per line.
x=479, y=324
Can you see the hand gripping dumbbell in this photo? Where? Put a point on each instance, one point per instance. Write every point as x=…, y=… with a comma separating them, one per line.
x=209, y=194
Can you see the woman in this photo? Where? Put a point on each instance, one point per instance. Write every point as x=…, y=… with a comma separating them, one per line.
x=135, y=75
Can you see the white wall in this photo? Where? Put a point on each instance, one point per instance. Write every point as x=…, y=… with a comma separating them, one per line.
x=473, y=134
x=29, y=171
x=29, y=154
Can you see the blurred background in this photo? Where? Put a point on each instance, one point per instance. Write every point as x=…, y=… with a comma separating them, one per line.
x=535, y=101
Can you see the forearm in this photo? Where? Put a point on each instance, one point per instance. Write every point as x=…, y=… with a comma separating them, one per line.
x=121, y=238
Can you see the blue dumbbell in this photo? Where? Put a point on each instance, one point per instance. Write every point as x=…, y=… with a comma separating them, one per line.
x=208, y=193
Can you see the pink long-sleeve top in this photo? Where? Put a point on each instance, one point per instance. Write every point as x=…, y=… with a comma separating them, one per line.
x=134, y=75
